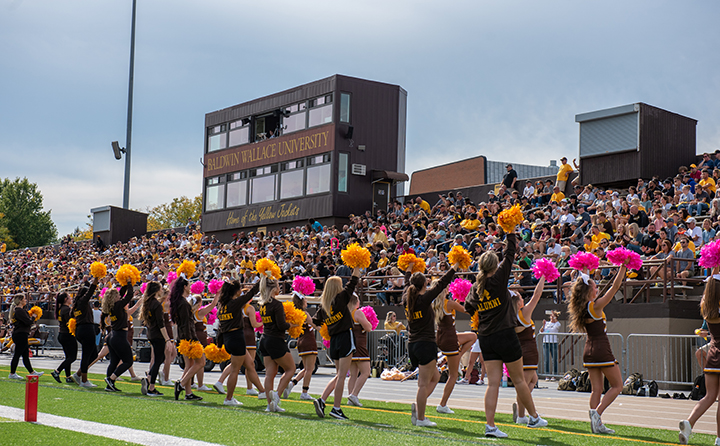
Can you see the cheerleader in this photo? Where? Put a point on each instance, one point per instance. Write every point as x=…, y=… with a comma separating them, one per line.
x=250, y=323
x=22, y=322
x=181, y=313
x=526, y=334
x=586, y=315
x=334, y=312
x=152, y=313
x=709, y=308
x=307, y=350
x=85, y=332
x=63, y=313
x=170, y=350
x=422, y=347
x=273, y=346
x=499, y=343
x=201, y=332
x=121, y=356
x=230, y=315
x=451, y=343
x=360, y=366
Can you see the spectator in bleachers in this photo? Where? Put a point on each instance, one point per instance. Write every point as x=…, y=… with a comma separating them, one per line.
x=563, y=174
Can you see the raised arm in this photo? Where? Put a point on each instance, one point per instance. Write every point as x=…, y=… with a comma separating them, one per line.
x=203, y=311
x=603, y=301
x=528, y=309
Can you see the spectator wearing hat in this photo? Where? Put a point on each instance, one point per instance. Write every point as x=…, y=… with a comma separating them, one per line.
x=510, y=177
x=491, y=196
x=693, y=231
x=694, y=173
x=563, y=174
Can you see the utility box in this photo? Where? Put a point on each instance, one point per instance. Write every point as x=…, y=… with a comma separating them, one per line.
x=621, y=144
x=115, y=224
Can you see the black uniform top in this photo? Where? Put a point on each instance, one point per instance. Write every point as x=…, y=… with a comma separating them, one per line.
x=21, y=320
x=273, y=318
x=183, y=318
x=421, y=318
x=495, y=307
x=339, y=319
x=155, y=320
x=64, y=317
x=118, y=315
x=231, y=315
x=82, y=311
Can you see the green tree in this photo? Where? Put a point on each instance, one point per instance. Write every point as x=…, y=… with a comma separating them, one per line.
x=175, y=213
x=22, y=204
x=5, y=236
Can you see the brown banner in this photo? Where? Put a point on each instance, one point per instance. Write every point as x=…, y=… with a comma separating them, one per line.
x=284, y=148
x=259, y=215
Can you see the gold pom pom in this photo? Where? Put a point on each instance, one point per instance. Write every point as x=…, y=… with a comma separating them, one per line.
x=324, y=332
x=509, y=218
x=460, y=256
x=215, y=354
x=187, y=267
x=475, y=321
x=267, y=267
x=36, y=311
x=127, y=274
x=72, y=324
x=191, y=349
x=355, y=256
x=293, y=316
x=98, y=269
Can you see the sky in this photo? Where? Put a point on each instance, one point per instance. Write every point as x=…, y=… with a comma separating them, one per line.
x=503, y=79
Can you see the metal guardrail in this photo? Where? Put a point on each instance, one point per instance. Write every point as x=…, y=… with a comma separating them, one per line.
x=567, y=352
x=389, y=346
x=667, y=359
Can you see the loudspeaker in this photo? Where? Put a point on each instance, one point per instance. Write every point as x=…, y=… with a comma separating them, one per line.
x=349, y=133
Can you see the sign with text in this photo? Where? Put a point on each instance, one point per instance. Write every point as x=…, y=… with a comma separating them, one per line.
x=270, y=213
x=284, y=148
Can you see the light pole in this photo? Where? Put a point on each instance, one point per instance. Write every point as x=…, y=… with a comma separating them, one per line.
x=128, y=137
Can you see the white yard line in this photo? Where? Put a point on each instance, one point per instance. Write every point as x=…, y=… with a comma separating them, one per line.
x=104, y=430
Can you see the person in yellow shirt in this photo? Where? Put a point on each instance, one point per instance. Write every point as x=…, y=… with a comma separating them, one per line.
x=470, y=224
x=563, y=174
x=707, y=182
x=557, y=195
x=3, y=247
x=423, y=204
x=597, y=235
x=391, y=323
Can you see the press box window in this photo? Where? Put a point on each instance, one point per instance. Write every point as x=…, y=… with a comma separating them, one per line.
x=342, y=171
x=217, y=138
x=214, y=193
x=239, y=132
x=320, y=110
x=294, y=117
x=345, y=107
x=236, y=189
x=318, y=175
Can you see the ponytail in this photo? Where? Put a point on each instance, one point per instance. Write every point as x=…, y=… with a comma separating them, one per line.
x=417, y=283
x=59, y=301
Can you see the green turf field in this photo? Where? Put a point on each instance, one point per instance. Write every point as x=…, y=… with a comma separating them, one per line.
x=209, y=420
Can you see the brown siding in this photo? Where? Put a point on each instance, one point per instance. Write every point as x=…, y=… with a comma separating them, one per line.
x=610, y=169
x=466, y=173
x=667, y=141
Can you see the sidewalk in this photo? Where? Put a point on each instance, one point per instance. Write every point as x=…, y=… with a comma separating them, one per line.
x=656, y=413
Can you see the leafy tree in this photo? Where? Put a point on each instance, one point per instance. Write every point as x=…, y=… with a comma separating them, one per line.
x=175, y=213
x=22, y=204
x=5, y=234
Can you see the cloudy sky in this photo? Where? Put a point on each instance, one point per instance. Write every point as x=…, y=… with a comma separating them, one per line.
x=502, y=79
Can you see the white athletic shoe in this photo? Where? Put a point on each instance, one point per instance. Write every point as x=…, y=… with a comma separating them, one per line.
x=444, y=409
x=275, y=397
x=262, y=396
x=75, y=377
x=413, y=414
x=204, y=388
x=194, y=387
x=38, y=374
x=15, y=376
x=232, y=402
x=717, y=441
x=252, y=392
x=161, y=376
x=354, y=401
x=494, y=432
x=685, y=432
x=463, y=382
x=595, y=421
x=135, y=379
x=219, y=388
x=288, y=389
x=306, y=397
x=522, y=420
x=538, y=422
x=425, y=423
x=87, y=385
x=605, y=430
x=167, y=383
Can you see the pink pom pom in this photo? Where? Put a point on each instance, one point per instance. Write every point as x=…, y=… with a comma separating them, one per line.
x=710, y=255
x=258, y=318
x=584, y=260
x=143, y=287
x=214, y=286
x=371, y=316
x=212, y=316
x=546, y=268
x=460, y=288
x=303, y=285
x=326, y=344
x=102, y=292
x=624, y=256
x=172, y=275
x=197, y=287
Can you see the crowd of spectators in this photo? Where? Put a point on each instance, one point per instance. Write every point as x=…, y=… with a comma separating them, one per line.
x=657, y=218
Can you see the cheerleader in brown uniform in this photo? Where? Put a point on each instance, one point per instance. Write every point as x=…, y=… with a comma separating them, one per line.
x=526, y=334
x=586, y=315
x=307, y=350
x=63, y=314
x=170, y=350
x=181, y=313
x=710, y=310
x=201, y=332
x=451, y=343
x=360, y=367
x=22, y=322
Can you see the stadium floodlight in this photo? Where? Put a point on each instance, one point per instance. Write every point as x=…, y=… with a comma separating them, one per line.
x=117, y=150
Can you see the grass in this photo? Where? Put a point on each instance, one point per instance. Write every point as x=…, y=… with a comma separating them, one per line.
x=376, y=423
